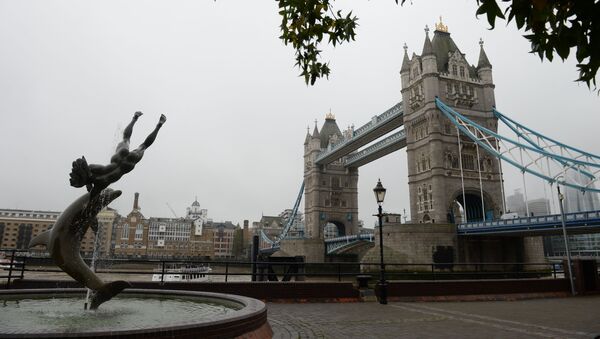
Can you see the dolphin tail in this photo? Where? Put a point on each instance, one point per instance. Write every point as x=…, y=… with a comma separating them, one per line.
x=40, y=239
x=107, y=292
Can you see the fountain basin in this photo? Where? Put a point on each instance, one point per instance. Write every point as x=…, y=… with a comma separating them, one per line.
x=135, y=313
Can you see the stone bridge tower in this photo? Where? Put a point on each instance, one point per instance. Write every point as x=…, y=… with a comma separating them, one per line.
x=330, y=191
x=437, y=169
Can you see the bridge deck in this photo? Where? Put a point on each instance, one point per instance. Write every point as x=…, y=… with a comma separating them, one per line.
x=374, y=129
x=579, y=222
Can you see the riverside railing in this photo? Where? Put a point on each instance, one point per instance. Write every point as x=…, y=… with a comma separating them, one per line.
x=22, y=266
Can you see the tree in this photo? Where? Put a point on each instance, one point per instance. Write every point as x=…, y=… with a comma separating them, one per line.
x=554, y=27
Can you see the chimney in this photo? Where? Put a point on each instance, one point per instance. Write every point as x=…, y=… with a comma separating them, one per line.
x=135, y=201
x=245, y=224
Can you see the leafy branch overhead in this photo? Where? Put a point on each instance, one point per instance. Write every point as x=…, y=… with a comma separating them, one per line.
x=553, y=27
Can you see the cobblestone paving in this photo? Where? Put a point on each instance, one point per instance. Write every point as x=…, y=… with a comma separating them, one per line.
x=546, y=318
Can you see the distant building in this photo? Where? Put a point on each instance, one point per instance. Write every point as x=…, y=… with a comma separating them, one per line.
x=169, y=238
x=132, y=233
x=107, y=220
x=18, y=227
x=392, y=219
x=538, y=207
x=272, y=226
x=515, y=203
x=577, y=201
x=198, y=215
x=586, y=245
x=222, y=235
x=297, y=228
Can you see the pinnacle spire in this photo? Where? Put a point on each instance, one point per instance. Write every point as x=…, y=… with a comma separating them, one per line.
x=405, y=61
x=316, y=130
x=483, y=59
x=307, y=139
x=427, y=47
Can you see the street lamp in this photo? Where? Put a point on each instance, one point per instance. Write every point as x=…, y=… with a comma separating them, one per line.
x=379, y=196
x=566, y=239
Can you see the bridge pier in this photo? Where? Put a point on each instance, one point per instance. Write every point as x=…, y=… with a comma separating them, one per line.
x=313, y=250
x=408, y=244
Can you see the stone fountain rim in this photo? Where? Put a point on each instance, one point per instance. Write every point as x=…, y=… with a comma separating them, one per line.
x=251, y=316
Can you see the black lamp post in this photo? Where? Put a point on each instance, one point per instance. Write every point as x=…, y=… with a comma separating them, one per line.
x=380, y=195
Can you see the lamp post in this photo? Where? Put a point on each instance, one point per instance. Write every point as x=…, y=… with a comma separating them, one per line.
x=566, y=240
x=379, y=196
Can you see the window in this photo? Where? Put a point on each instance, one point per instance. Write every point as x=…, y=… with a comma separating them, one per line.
x=468, y=162
x=454, y=69
x=125, y=232
x=462, y=72
x=139, y=231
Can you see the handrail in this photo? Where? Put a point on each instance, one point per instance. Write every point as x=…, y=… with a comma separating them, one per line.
x=588, y=215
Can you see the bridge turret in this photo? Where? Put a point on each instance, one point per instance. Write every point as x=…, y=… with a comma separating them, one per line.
x=484, y=71
x=405, y=70
x=330, y=190
x=428, y=58
x=434, y=173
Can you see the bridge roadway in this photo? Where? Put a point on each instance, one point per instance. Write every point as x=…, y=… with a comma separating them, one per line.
x=575, y=223
x=374, y=129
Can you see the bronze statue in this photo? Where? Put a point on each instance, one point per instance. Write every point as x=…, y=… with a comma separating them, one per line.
x=63, y=240
x=98, y=177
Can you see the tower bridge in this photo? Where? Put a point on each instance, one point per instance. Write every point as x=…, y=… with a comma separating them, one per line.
x=448, y=124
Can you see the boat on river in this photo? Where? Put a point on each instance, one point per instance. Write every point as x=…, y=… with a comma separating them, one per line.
x=183, y=273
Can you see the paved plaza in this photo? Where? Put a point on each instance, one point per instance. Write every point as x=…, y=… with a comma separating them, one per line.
x=577, y=317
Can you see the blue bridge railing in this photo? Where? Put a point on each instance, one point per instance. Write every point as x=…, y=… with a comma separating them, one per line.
x=542, y=224
x=335, y=244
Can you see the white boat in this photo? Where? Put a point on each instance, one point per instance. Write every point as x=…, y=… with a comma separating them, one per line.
x=185, y=273
x=5, y=264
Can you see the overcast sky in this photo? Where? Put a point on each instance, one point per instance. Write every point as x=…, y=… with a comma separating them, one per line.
x=73, y=72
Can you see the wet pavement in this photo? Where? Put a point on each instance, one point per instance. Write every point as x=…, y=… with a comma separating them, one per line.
x=576, y=317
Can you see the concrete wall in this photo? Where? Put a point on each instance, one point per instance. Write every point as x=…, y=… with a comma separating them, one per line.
x=412, y=243
x=313, y=250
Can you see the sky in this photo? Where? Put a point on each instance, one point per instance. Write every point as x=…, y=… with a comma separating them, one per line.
x=72, y=73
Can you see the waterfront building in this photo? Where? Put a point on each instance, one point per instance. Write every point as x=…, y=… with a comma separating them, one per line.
x=222, y=237
x=18, y=227
x=131, y=236
x=198, y=215
x=107, y=219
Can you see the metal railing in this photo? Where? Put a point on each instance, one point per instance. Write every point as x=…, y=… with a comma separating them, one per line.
x=26, y=267
x=539, y=221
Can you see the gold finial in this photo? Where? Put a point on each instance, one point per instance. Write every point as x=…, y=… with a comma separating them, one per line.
x=481, y=42
x=440, y=26
x=330, y=116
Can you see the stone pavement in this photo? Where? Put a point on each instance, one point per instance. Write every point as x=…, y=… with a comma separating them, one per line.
x=577, y=317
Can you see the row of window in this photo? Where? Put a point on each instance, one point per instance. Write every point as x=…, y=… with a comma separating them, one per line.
x=455, y=88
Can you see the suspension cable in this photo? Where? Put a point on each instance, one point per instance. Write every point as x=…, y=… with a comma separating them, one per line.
x=462, y=178
x=501, y=179
x=480, y=183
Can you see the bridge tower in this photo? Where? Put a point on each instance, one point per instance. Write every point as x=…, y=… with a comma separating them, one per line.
x=330, y=193
x=441, y=175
